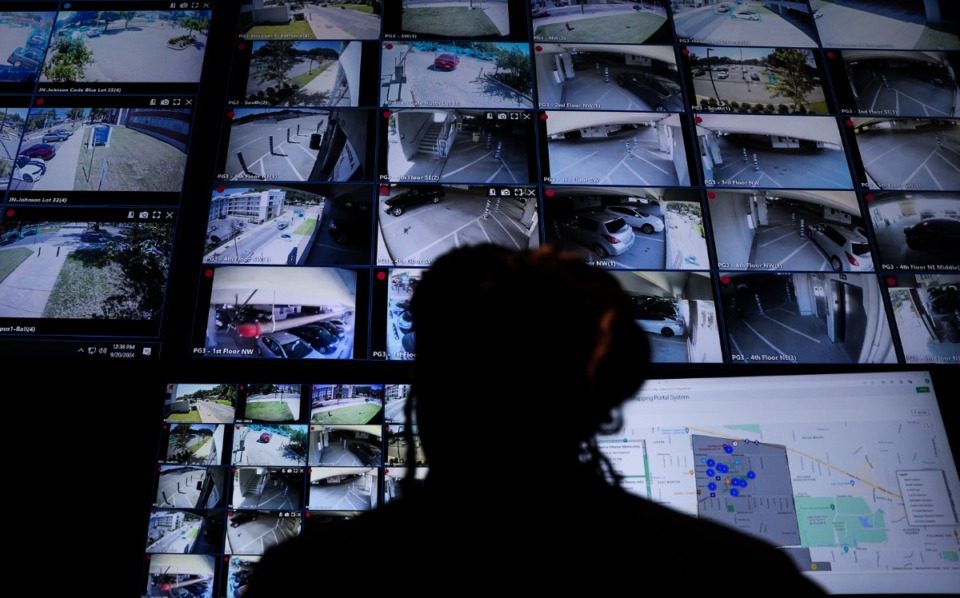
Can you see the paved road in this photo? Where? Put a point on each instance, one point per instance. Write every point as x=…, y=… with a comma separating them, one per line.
x=255, y=537
x=335, y=23
x=178, y=487
x=256, y=452
x=394, y=410
x=798, y=168
x=346, y=496
x=290, y=161
x=215, y=413
x=885, y=91
x=606, y=161
x=885, y=26
x=912, y=159
x=704, y=26
x=179, y=540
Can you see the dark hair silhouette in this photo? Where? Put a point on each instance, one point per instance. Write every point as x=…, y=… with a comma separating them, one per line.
x=532, y=337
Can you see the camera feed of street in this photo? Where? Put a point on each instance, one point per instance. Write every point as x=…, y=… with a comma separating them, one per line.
x=454, y=18
x=917, y=231
x=276, y=488
x=789, y=230
x=398, y=452
x=757, y=80
x=346, y=403
x=12, y=165
x=23, y=41
x=84, y=270
x=200, y=403
x=104, y=149
x=343, y=488
x=608, y=77
x=259, y=444
x=677, y=312
x=393, y=481
x=890, y=24
x=345, y=446
x=195, y=444
x=615, y=148
x=128, y=46
x=746, y=22
x=278, y=403
x=417, y=224
x=296, y=144
x=184, y=532
x=253, y=532
x=624, y=23
x=400, y=335
x=331, y=19
x=282, y=312
x=190, y=487
x=190, y=575
x=330, y=225
x=395, y=401
x=902, y=83
x=772, y=151
x=926, y=309
x=805, y=318
x=481, y=74
x=304, y=74
x=909, y=153
x=630, y=228
x=459, y=146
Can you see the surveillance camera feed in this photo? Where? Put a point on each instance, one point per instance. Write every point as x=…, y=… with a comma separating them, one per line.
x=243, y=198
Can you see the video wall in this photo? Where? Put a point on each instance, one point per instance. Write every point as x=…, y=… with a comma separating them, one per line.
x=254, y=189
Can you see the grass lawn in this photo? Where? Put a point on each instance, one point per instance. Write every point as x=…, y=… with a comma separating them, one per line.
x=817, y=107
x=354, y=414
x=359, y=8
x=199, y=445
x=10, y=259
x=271, y=411
x=297, y=30
x=192, y=417
x=221, y=402
x=135, y=162
x=620, y=28
x=85, y=281
x=457, y=21
x=309, y=76
x=306, y=228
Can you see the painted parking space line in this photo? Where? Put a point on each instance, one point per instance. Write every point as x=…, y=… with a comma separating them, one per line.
x=763, y=338
x=791, y=329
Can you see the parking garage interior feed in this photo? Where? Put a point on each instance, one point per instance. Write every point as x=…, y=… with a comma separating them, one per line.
x=260, y=185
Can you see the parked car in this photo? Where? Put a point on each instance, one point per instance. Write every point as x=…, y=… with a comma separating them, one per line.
x=53, y=136
x=722, y=8
x=242, y=517
x=845, y=248
x=446, y=61
x=412, y=197
x=284, y=345
x=28, y=170
x=65, y=132
x=604, y=232
x=637, y=218
x=318, y=337
x=934, y=235
x=40, y=150
x=660, y=94
x=748, y=15
x=26, y=57
x=266, y=437
x=662, y=324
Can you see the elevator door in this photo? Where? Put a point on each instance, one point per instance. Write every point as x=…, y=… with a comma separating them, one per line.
x=854, y=320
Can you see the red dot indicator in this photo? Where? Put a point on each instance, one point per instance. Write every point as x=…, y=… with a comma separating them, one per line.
x=234, y=470
x=868, y=197
x=307, y=514
x=226, y=559
x=538, y=48
x=40, y=101
x=230, y=114
x=389, y=46
x=384, y=190
x=549, y=192
x=711, y=195
x=381, y=275
x=241, y=46
x=848, y=122
x=154, y=511
x=238, y=427
x=312, y=428
x=220, y=188
x=543, y=116
x=309, y=470
x=386, y=114
x=10, y=213
x=725, y=279
x=830, y=54
x=387, y=428
x=698, y=120
x=891, y=281
x=164, y=427
x=159, y=468
x=208, y=273
x=685, y=52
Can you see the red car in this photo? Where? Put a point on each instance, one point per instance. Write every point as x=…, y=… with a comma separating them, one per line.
x=446, y=61
x=265, y=437
x=40, y=150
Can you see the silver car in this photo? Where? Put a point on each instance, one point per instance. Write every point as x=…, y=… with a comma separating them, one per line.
x=604, y=232
x=846, y=249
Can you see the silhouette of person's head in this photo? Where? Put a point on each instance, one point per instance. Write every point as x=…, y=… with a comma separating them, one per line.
x=529, y=346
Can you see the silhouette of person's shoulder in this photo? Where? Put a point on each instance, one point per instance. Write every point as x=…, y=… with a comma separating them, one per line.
x=539, y=538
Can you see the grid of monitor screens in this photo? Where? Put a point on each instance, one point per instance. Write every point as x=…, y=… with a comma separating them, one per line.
x=851, y=474
x=769, y=183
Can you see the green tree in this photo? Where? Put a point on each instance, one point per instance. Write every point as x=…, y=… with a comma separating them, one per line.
x=273, y=61
x=194, y=24
x=794, y=79
x=142, y=252
x=69, y=61
x=127, y=16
